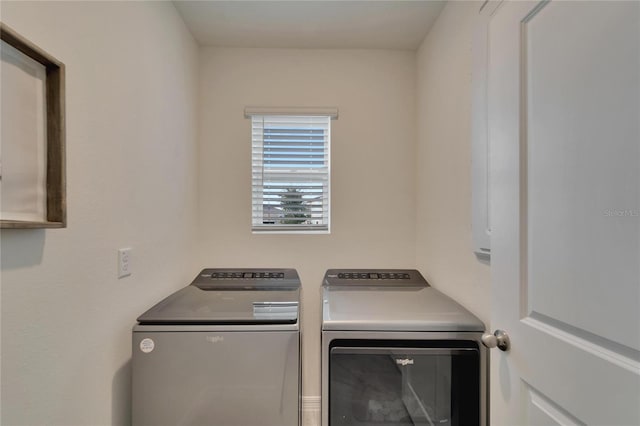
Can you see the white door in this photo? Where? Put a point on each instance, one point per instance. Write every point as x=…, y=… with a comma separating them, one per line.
x=564, y=132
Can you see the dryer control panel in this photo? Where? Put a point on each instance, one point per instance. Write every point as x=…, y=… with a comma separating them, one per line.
x=374, y=277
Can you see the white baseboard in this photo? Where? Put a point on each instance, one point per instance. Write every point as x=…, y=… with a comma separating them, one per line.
x=310, y=411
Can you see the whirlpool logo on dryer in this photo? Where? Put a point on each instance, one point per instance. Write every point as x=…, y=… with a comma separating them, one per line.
x=404, y=361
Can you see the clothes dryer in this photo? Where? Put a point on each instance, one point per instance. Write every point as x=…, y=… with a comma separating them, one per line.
x=397, y=352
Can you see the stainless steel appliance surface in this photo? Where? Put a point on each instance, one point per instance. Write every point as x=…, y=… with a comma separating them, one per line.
x=397, y=352
x=224, y=350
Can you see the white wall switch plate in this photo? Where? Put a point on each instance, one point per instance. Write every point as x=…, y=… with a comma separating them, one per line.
x=124, y=262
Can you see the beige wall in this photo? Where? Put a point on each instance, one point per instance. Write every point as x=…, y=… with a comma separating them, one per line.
x=372, y=165
x=131, y=158
x=444, y=250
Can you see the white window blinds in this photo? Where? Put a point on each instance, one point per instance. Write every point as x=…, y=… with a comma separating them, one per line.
x=290, y=172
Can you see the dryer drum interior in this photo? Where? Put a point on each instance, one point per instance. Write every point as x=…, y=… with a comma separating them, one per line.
x=387, y=382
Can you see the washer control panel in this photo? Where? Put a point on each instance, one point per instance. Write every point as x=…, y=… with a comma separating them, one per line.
x=263, y=275
x=247, y=279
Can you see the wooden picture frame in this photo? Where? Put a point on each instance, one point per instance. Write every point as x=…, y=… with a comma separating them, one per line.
x=53, y=136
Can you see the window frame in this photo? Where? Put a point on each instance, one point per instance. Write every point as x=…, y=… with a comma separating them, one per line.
x=290, y=116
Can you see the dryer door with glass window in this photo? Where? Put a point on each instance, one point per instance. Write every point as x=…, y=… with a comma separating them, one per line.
x=384, y=383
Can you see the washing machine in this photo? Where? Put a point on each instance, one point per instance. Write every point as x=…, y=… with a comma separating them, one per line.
x=224, y=350
x=397, y=352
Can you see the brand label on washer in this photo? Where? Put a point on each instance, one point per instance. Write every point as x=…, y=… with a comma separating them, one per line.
x=147, y=345
x=215, y=339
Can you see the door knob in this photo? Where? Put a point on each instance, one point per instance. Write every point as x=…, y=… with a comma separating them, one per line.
x=499, y=338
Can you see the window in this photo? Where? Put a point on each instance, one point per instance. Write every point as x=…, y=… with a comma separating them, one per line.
x=290, y=172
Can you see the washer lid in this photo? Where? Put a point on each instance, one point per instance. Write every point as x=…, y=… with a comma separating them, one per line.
x=393, y=308
x=239, y=296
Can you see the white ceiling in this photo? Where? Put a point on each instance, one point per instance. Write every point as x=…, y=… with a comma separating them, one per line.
x=330, y=24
